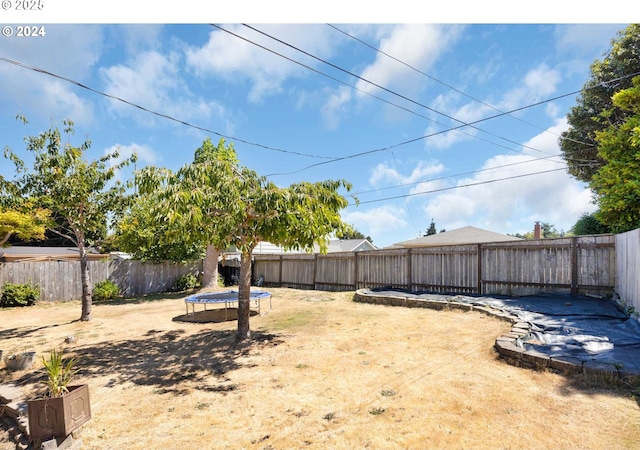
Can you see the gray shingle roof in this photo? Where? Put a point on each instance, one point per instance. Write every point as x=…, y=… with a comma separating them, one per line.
x=460, y=236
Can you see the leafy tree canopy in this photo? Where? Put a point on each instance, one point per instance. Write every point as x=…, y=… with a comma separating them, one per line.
x=216, y=202
x=432, y=229
x=24, y=225
x=79, y=193
x=617, y=183
x=353, y=233
x=610, y=75
x=588, y=224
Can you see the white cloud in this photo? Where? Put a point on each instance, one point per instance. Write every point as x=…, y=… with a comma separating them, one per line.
x=335, y=107
x=377, y=221
x=538, y=83
x=552, y=197
x=415, y=44
x=383, y=174
x=153, y=80
x=144, y=153
x=145, y=156
x=69, y=51
x=585, y=39
x=236, y=59
x=418, y=46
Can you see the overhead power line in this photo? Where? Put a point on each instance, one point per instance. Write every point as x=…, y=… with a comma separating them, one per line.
x=448, y=86
x=435, y=111
x=455, y=187
x=165, y=116
x=445, y=177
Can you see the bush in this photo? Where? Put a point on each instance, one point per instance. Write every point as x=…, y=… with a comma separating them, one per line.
x=187, y=282
x=19, y=294
x=105, y=290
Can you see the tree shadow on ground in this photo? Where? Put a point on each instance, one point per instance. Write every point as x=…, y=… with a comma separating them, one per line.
x=23, y=332
x=166, y=359
x=143, y=299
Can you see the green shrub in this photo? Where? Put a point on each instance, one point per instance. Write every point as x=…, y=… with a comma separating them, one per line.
x=19, y=294
x=187, y=282
x=105, y=290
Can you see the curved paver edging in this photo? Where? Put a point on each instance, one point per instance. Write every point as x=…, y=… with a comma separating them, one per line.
x=508, y=345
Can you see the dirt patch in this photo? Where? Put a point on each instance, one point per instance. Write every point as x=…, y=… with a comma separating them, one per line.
x=321, y=372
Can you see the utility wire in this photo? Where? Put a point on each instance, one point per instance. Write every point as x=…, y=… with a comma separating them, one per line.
x=445, y=177
x=455, y=187
x=368, y=152
x=378, y=86
x=368, y=93
x=448, y=85
x=165, y=116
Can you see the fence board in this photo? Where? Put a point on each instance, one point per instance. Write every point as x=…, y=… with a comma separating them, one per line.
x=627, y=266
x=585, y=265
x=506, y=268
x=60, y=280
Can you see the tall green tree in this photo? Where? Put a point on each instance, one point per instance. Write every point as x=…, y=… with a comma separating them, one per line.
x=218, y=203
x=353, y=233
x=432, y=229
x=78, y=192
x=155, y=228
x=617, y=183
x=589, y=224
x=607, y=76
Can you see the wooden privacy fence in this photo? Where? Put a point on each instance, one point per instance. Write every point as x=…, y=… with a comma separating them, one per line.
x=575, y=265
x=628, y=269
x=60, y=280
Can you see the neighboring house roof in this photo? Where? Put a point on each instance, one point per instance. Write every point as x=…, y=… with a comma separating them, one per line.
x=347, y=245
x=269, y=249
x=335, y=246
x=461, y=236
x=21, y=254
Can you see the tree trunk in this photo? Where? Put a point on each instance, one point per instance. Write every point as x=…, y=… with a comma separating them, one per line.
x=244, y=298
x=85, y=279
x=210, y=268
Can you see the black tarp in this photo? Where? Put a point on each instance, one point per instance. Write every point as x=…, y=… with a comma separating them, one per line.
x=579, y=328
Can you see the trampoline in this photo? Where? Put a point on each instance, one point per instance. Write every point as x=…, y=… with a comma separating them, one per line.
x=228, y=298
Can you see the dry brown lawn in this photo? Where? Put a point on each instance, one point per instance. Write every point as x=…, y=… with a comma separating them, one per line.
x=322, y=372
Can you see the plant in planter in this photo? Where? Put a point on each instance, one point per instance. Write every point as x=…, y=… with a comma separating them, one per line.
x=64, y=408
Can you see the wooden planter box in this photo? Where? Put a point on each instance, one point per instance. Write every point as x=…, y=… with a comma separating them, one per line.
x=59, y=416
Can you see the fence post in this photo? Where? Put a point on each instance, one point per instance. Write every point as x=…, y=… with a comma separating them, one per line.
x=479, y=282
x=279, y=270
x=315, y=270
x=408, y=284
x=355, y=271
x=574, y=265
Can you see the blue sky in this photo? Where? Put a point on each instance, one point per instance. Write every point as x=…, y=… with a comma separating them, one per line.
x=370, y=103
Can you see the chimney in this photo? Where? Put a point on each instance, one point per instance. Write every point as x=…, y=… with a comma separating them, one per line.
x=536, y=231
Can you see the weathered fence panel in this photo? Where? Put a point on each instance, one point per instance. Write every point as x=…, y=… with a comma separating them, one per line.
x=576, y=265
x=527, y=267
x=60, y=280
x=628, y=269
x=383, y=268
x=298, y=271
x=445, y=269
x=335, y=272
x=269, y=268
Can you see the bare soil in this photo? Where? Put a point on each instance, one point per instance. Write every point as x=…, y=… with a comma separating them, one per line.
x=321, y=372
